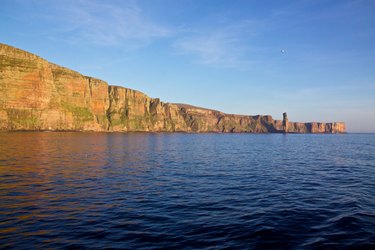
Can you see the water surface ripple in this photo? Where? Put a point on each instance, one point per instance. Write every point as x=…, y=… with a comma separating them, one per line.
x=186, y=191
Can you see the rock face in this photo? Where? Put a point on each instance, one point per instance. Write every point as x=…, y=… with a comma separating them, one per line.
x=285, y=122
x=38, y=95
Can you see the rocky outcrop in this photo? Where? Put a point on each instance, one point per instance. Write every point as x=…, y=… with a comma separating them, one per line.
x=131, y=110
x=285, y=123
x=38, y=95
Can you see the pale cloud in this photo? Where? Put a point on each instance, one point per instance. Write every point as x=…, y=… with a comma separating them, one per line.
x=213, y=49
x=125, y=24
x=104, y=23
x=222, y=47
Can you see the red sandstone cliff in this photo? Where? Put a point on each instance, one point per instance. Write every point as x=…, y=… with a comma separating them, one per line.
x=38, y=95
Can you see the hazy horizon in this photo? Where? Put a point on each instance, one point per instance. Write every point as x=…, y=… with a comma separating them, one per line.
x=311, y=59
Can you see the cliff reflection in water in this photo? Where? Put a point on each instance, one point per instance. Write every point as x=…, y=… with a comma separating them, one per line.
x=67, y=157
x=52, y=178
x=98, y=190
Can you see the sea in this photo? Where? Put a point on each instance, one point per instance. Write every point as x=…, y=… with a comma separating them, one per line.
x=186, y=191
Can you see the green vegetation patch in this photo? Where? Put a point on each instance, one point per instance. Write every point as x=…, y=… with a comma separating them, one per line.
x=23, y=119
x=81, y=113
x=102, y=119
x=136, y=123
x=116, y=122
x=16, y=62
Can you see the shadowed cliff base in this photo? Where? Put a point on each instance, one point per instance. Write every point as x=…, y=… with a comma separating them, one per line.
x=38, y=95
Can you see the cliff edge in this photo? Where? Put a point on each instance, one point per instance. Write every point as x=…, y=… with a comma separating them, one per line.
x=38, y=95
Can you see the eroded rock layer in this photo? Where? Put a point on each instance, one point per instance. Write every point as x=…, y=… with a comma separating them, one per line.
x=38, y=95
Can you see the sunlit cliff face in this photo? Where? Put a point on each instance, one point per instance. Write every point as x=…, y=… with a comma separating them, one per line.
x=38, y=95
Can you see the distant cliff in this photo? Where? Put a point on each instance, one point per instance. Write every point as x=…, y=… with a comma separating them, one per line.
x=38, y=95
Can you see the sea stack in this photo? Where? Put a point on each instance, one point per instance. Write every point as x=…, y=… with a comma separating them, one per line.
x=285, y=122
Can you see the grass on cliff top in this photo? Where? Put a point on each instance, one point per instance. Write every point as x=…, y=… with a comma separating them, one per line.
x=16, y=62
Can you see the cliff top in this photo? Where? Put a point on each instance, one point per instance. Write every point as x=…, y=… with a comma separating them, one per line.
x=16, y=53
x=188, y=106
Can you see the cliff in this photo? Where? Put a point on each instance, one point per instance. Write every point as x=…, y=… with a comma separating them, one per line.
x=38, y=95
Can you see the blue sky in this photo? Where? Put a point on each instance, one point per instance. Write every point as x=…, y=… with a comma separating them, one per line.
x=314, y=59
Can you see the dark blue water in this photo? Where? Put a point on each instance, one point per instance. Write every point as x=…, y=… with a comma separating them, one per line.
x=193, y=191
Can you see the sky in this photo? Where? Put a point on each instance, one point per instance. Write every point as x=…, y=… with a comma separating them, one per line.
x=314, y=59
